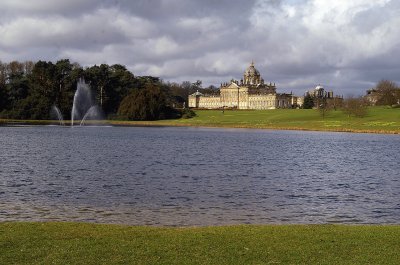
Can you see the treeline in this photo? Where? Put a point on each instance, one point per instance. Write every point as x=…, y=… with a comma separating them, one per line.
x=385, y=93
x=28, y=90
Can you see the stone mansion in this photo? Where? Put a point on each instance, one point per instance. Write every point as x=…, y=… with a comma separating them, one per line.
x=251, y=92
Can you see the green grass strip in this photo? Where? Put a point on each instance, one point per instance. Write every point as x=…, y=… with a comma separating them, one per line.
x=82, y=243
x=378, y=120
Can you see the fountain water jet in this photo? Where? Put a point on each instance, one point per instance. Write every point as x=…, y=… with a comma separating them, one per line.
x=93, y=112
x=83, y=106
x=57, y=112
x=83, y=101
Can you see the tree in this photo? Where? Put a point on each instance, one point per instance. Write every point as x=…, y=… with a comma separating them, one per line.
x=355, y=107
x=17, y=89
x=178, y=94
x=121, y=82
x=323, y=107
x=99, y=79
x=197, y=85
x=3, y=73
x=308, y=102
x=43, y=92
x=67, y=75
x=111, y=84
x=210, y=90
x=3, y=92
x=3, y=97
x=387, y=93
x=148, y=103
x=29, y=90
x=14, y=86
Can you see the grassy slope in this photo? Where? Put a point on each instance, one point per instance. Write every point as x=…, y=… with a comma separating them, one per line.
x=379, y=120
x=74, y=243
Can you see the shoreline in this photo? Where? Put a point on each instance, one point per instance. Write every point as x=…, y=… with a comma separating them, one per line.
x=188, y=227
x=139, y=124
x=173, y=123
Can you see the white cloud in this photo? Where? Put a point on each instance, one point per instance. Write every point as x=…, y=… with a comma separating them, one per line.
x=133, y=27
x=201, y=25
x=295, y=43
x=324, y=37
x=334, y=22
x=163, y=46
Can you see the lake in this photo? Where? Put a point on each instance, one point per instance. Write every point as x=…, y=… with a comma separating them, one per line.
x=197, y=176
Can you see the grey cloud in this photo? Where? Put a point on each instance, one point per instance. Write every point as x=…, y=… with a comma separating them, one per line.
x=70, y=8
x=86, y=32
x=295, y=43
x=172, y=9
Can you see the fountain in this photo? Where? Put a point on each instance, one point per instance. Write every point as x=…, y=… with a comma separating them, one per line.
x=93, y=113
x=55, y=112
x=83, y=106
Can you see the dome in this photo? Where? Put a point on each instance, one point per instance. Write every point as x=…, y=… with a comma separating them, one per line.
x=251, y=75
x=251, y=71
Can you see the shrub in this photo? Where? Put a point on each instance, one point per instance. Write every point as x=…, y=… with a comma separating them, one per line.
x=188, y=113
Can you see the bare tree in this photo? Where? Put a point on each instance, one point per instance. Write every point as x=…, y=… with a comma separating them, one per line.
x=355, y=107
x=387, y=93
x=323, y=107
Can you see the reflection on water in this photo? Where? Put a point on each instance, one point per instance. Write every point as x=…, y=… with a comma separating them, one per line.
x=189, y=176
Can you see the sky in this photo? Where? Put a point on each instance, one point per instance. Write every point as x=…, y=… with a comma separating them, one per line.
x=346, y=46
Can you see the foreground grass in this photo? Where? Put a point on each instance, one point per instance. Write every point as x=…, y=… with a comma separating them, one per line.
x=378, y=120
x=77, y=243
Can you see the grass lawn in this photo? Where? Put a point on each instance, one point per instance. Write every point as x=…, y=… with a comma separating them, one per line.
x=77, y=243
x=378, y=120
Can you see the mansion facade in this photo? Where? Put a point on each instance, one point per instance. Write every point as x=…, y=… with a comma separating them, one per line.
x=251, y=92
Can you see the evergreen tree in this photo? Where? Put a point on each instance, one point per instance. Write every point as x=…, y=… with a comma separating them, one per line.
x=308, y=102
x=148, y=103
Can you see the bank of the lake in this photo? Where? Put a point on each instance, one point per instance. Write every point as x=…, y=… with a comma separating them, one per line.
x=378, y=120
x=82, y=243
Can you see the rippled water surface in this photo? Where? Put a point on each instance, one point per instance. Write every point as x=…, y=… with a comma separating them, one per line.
x=191, y=176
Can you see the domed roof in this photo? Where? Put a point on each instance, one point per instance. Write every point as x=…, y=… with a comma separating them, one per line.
x=251, y=71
